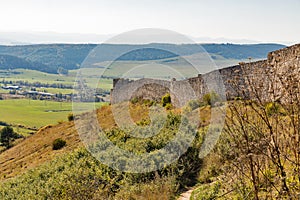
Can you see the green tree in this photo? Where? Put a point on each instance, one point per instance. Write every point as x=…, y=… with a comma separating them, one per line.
x=6, y=136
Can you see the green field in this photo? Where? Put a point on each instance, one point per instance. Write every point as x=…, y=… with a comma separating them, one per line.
x=56, y=90
x=178, y=67
x=35, y=113
x=37, y=76
x=91, y=78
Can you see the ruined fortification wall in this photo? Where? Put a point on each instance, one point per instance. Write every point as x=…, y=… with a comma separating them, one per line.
x=124, y=89
x=264, y=79
x=285, y=64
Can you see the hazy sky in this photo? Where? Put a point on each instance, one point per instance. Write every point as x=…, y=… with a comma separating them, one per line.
x=260, y=20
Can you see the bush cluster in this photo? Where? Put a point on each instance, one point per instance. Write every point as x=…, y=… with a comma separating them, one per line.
x=58, y=144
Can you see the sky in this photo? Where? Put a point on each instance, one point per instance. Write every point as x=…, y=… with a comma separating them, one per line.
x=237, y=20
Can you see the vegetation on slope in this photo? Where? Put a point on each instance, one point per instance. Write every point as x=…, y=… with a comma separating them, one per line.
x=37, y=149
x=79, y=176
x=258, y=154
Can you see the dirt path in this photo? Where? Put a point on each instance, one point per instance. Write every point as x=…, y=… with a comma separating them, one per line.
x=186, y=195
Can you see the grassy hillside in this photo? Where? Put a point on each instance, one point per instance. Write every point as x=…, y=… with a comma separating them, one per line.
x=79, y=176
x=41, y=172
x=37, y=149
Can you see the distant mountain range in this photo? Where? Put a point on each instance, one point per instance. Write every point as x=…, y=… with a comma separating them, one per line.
x=51, y=57
x=48, y=37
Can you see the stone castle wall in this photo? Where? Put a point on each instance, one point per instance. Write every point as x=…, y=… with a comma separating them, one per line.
x=247, y=80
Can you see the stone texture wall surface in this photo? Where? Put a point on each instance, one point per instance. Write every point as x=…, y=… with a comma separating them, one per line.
x=268, y=79
x=124, y=89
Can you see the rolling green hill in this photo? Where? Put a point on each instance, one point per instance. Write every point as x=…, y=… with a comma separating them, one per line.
x=51, y=57
x=8, y=62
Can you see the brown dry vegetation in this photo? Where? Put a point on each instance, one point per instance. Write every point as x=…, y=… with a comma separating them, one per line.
x=51, y=167
x=106, y=116
x=37, y=149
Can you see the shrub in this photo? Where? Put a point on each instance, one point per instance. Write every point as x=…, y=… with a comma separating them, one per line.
x=134, y=100
x=70, y=117
x=3, y=123
x=148, y=102
x=143, y=122
x=273, y=108
x=7, y=135
x=166, y=99
x=238, y=98
x=192, y=105
x=168, y=106
x=211, y=98
x=208, y=192
x=159, y=188
x=58, y=144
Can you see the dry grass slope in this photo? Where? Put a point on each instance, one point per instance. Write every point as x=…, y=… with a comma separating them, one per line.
x=37, y=149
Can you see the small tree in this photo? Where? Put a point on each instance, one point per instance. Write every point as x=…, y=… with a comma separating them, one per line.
x=6, y=136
